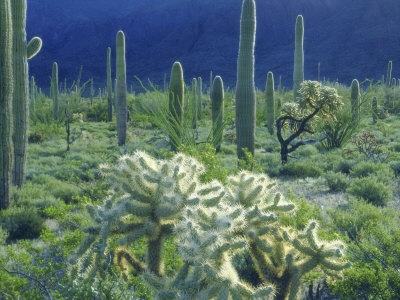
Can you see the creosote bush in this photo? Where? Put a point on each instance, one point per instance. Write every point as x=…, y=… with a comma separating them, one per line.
x=157, y=199
x=370, y=189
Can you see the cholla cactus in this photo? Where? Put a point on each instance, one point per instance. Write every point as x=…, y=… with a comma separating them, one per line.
x=212, y=222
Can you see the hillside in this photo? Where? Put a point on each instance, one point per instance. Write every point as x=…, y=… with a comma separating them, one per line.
x=351, y=39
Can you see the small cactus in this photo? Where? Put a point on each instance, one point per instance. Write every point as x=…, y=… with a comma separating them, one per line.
x=194, y=103
x=388, y=74
x=355, y=100
x=270, y=101
x=54, y=89
x=199, y=94
x=374, y=106
x=298, y=73
x=109, y=86
x=217, y=111
x=176, y=104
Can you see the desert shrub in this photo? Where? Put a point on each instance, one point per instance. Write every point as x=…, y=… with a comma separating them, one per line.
x=337, y=182
x=59, y=189
x=365, y=168
x=206, y=154
x=3, y=236
x=35, y=138
x=395, y=147
x=344, y=166
x=395, y=166
x=97, y=112
x=21, y=223
x=370, y=189
x=374, y=251
x=271, y=163
x=300, y=169
x=307, y=151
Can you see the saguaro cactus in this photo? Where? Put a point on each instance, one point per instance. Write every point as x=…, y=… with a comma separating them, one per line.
x=54, y=89
x=217, y=111
x=298, y=73
x=389, y=74
x=120, y=89
x=109, y=85
x=270, y=101
x=6, y=97
x=194, y=103
x=199, y=94
x=176, y=104
x=245, y=88
x=20, y=54
x=374, y=106
x=355, y=100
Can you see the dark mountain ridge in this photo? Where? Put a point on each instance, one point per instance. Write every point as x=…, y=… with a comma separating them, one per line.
x=351, y=38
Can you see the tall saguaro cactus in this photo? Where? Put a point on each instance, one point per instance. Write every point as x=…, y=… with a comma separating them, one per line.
x=270, y=102
x=54, y=89
x=21, y=52
x=298, y=72
x=109, y=85
x=176, y=103
x=6, y=97
x=120, y=89
x=217, y=111
x=355, y=100
x=389, y=74
x=245, y=88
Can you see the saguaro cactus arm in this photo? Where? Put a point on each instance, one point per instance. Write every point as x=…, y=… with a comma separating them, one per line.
x=34, y=47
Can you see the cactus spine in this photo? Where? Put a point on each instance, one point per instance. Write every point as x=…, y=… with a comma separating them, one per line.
x=54, y=89
x=389, y=74
x=374, y=106
x=120, y=89
x=355, y=100
x=176, y=104
x=270, y=101
x=298, y=73
x=199, y=93
x=21, y=86
x=194, y=103
x=109, y=85
x=217, y=111
x=6, y=98
x=245, y=88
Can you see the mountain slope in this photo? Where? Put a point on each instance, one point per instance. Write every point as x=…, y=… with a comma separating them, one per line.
x=351, y=38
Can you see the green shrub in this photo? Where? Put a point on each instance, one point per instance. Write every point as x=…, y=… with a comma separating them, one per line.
x=395, y=166
x=35, y=138
x=300, y=169
x=374, y=252
x=307, y=151
x=3, y=236
x=97, y=112
x=21, y=223
x=337, y=182
x=370, y=189
x=364, y=169
x=345, y=166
